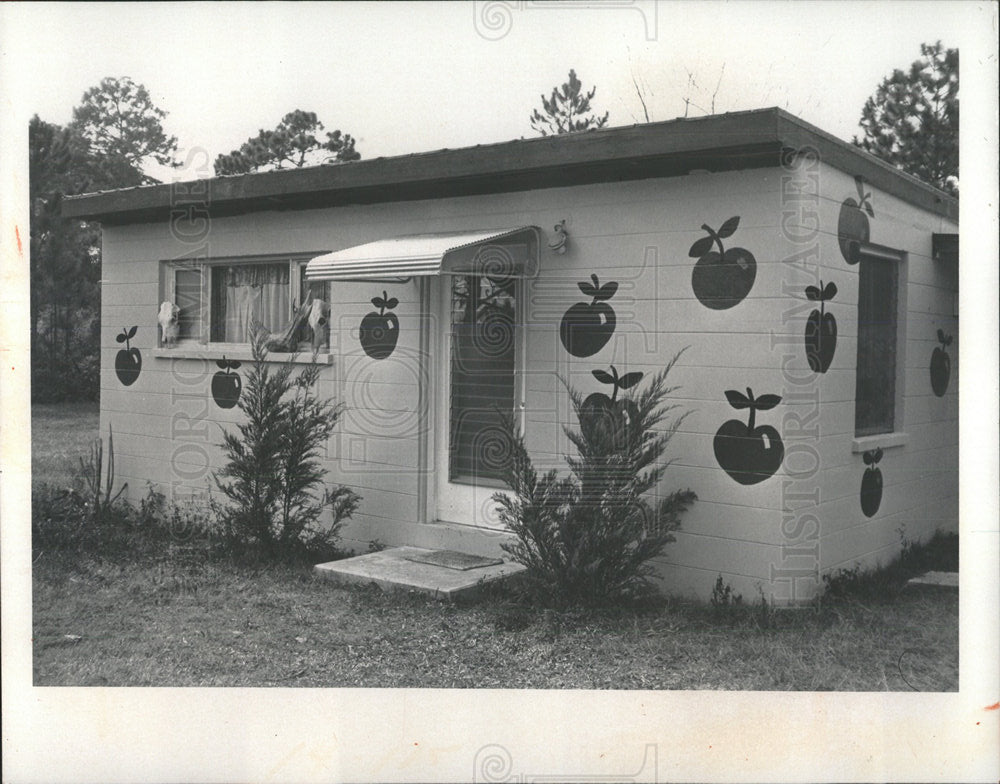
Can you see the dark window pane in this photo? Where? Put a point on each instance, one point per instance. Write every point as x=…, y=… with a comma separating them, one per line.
x=482, y=374
x=187, y=297
x=875, y=396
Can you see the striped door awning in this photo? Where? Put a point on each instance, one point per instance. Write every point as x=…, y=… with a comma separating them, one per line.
x=494, y=252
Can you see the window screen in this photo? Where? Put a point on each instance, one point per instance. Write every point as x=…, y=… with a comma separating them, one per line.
x=875, y=395
x=482, y=375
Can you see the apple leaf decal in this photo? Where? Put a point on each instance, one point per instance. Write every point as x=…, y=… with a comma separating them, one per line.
x=221, y=363
x=391, y=303
x=813, y=293
x=586, y=327
x=586, y=288
x=629, y=380
x=234, y=364
x=378, y=302
x=829, y=291
x=131, y=332
x=767, y=402
x=607, y=291
x=701, y=247
x=728, y=228
x=121, y=338
x=603, y=376
x=737, y=399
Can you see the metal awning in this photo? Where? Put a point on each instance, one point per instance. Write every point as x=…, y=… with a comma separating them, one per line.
x=496, y=252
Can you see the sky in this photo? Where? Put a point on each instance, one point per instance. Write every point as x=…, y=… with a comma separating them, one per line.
x=411, y=77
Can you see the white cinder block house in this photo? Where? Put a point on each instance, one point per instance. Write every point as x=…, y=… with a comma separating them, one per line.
x=814, y=287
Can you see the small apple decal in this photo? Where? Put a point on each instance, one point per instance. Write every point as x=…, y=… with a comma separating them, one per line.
x=749, y=454
x=128, y=361
x=380, y=331
x=586, y=328
x=722, y=278
x=821, y=328
x=853, y=229
x=871, y=484
x=605, y=420
x=941, y=365
x=226, y=386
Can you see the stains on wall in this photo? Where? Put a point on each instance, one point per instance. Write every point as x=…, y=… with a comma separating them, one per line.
x=128, y=361
x=853, y=228
x=721, y=278
x=871, y=483
x=379, y=330
x=821, y=328
x=941, y=365
x=226, y=385
x=587, y=327
x=748, y=452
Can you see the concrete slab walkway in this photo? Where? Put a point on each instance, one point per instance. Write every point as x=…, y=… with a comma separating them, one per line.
x=395, y=569
x=935, y=580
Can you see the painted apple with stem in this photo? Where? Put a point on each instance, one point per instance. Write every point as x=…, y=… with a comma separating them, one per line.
x=128, y=361
x=226, y=385
x=721, y=278
x=853, y=228
x=748, y=452
x=871, y=483
x=606, y=420
x=821, y=328
x=380, y=330
x=941, y=365
x=587, y=327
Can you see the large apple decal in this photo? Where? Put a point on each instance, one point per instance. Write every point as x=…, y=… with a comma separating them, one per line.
x=380, y=331
x=128, y=361
x=226, y=386
x=747, y=453
x=853, y=229
x=871, y=483
x=821, y=328
x=941, y=365
x=586, y=327
x=721, y=278
x=605, y=420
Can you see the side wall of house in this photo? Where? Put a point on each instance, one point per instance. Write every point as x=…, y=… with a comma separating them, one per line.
x=919, y=461
x=635, y=234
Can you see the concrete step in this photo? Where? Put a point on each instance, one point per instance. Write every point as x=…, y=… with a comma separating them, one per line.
x=422, y=570
x=935, y=580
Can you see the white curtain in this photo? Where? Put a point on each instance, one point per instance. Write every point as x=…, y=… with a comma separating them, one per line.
x=248, y=292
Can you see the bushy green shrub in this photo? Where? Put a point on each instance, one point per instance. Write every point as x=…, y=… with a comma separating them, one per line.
x=272, y=476
x=587, y=538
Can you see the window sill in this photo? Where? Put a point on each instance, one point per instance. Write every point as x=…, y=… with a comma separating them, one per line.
x=239, y=353
x=879, y=441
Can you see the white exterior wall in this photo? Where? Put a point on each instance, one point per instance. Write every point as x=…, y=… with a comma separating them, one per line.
x=637, y=234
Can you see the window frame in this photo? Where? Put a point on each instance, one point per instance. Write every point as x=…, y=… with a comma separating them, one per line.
x=296, y=264
x=897, y=436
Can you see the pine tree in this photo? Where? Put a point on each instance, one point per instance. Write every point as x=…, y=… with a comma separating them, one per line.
x=567, y=110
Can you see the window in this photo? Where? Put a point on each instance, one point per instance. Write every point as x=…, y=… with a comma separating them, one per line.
x=878, y=315
x=218, y=300
x=482, y=374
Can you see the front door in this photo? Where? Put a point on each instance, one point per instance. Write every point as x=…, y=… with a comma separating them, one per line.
x=479, y=348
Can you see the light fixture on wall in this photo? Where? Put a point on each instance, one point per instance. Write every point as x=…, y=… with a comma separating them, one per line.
x=558, y=244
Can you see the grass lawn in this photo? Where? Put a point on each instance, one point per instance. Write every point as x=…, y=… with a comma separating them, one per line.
x=167, y=623
x=61, y=433
x=169, y=619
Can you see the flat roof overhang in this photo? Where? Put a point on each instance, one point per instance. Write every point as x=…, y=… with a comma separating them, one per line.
x=726, y=142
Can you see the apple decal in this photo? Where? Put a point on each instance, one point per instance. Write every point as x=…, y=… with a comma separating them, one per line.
x=226, y=386
x=380, y=331
x=605, y=420
x=941, y=365
x=821, y=328
x=128, y=361
x=871, y=484
x=853, y=229
x=722, y=278
x=586, y=328
x=749, y=454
